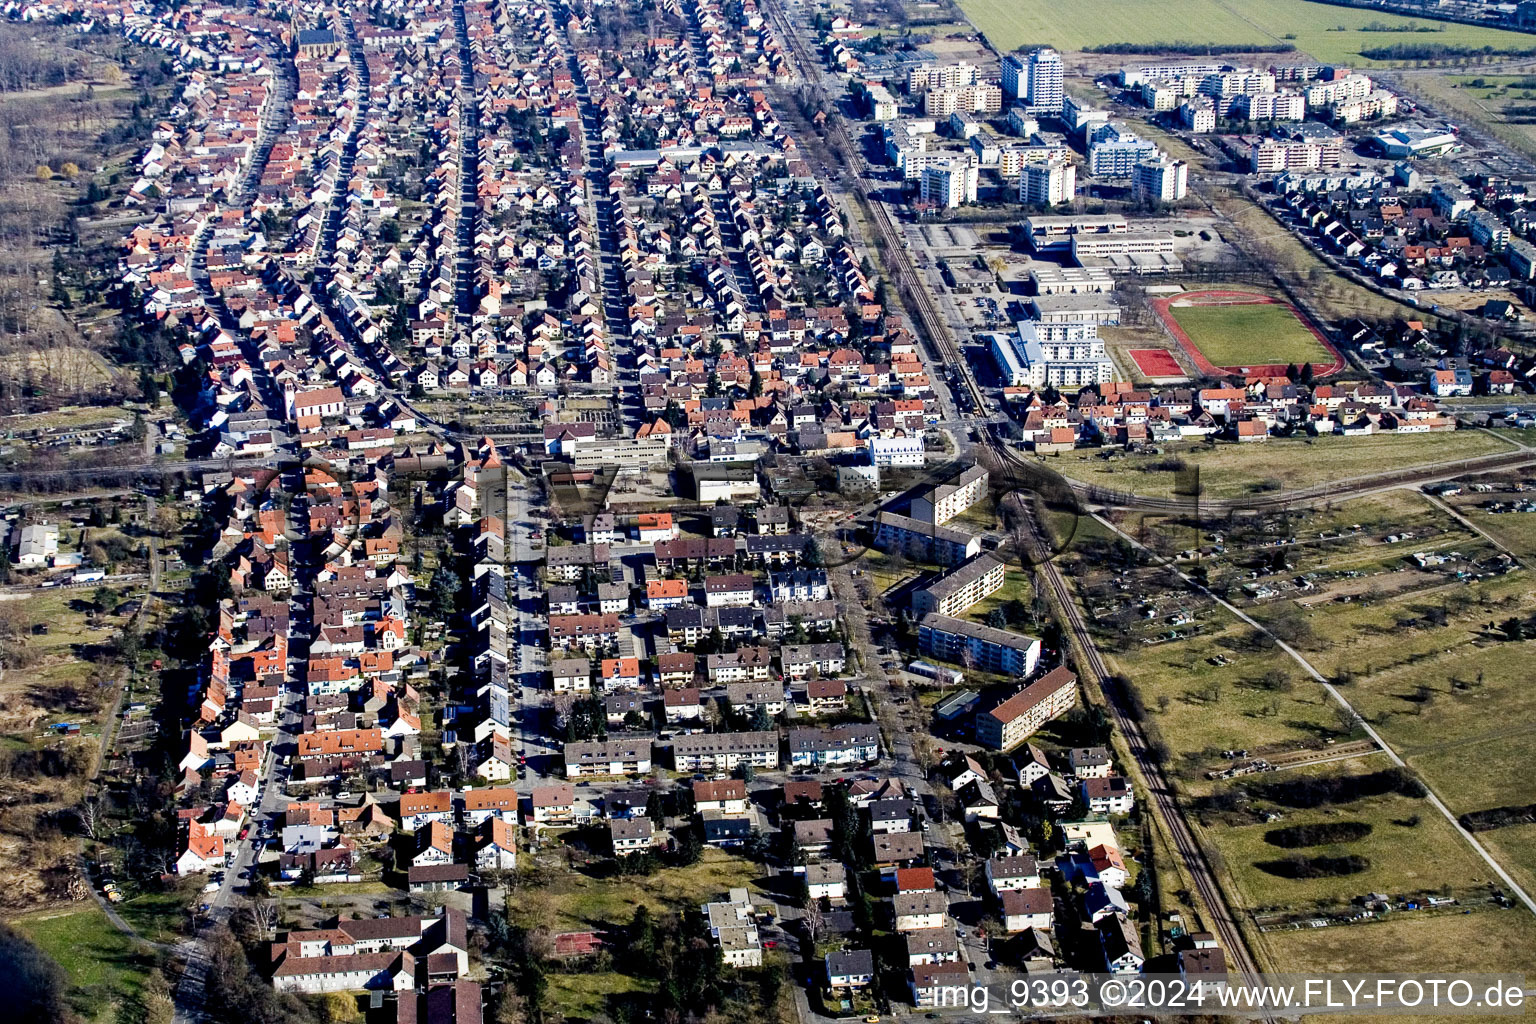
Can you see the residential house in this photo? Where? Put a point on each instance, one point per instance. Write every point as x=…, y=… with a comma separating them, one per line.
x=1028, y=908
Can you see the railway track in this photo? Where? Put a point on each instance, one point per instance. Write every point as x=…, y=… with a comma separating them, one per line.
x=1091, y=663
x=1334, y=491
x=924, y=312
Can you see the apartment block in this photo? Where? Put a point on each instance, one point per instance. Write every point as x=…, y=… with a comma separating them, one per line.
x=960, y=588
x=1017, y=718
x=965, y=642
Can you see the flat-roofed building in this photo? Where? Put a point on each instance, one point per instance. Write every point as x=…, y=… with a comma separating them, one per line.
x=1102, y=246
x=1067, y=354
x=1052, y=233
x=623, y=451
x=1048, y=184
x=1092, y=307
x=1163, y=181
x=1050, y=279
x=733, y=926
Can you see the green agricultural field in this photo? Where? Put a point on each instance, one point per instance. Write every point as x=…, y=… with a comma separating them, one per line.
x=1251, y=335
x=1232, y=470
x=1311, y=28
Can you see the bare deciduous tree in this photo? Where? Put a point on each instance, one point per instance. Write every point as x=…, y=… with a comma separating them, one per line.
x=814, y=920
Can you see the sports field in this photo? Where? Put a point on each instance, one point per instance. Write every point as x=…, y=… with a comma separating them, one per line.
x=1156, y=362
x=1243, y=335
x=1227, y=331
x=1311, y=27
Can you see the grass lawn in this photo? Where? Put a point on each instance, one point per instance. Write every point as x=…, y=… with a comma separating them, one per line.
x=1250, y=335
x=157, y=916
x=1515, y=530
x=28, y=697
x=886, y=574
x=1493, y=940
x=586, y=995
x=1515, y=849
x=578, y=902
x=1466, y=780
x=1371, y=638
x=1453, y=702
x=1310, y=27
x=1366, y=550
x=1232, y=470
x=307, y=892
x=99, y=959
x=1175, y=680
x=1015, y=588
x=1468, y=743
x=70, y=416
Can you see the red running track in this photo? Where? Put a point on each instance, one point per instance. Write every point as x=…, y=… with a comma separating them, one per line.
x=1226, y=298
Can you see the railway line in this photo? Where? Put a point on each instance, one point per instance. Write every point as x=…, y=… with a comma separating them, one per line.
x=1219, y=914
x=924, y=311
x=1333, y=491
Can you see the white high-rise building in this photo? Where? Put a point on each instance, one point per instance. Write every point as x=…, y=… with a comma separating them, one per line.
x=1015, y=76
x=1198, y=114
x=1046, y=80
x=951, y=184
x=1164, y=180
x=1063, y=355
x=1114, y=152
x=1048, y=184
x=942, y=76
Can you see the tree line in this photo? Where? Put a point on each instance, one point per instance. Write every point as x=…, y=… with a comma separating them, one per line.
x=1183, y=47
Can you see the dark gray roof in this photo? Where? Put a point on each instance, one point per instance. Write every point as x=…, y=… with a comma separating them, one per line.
x=850, y=961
